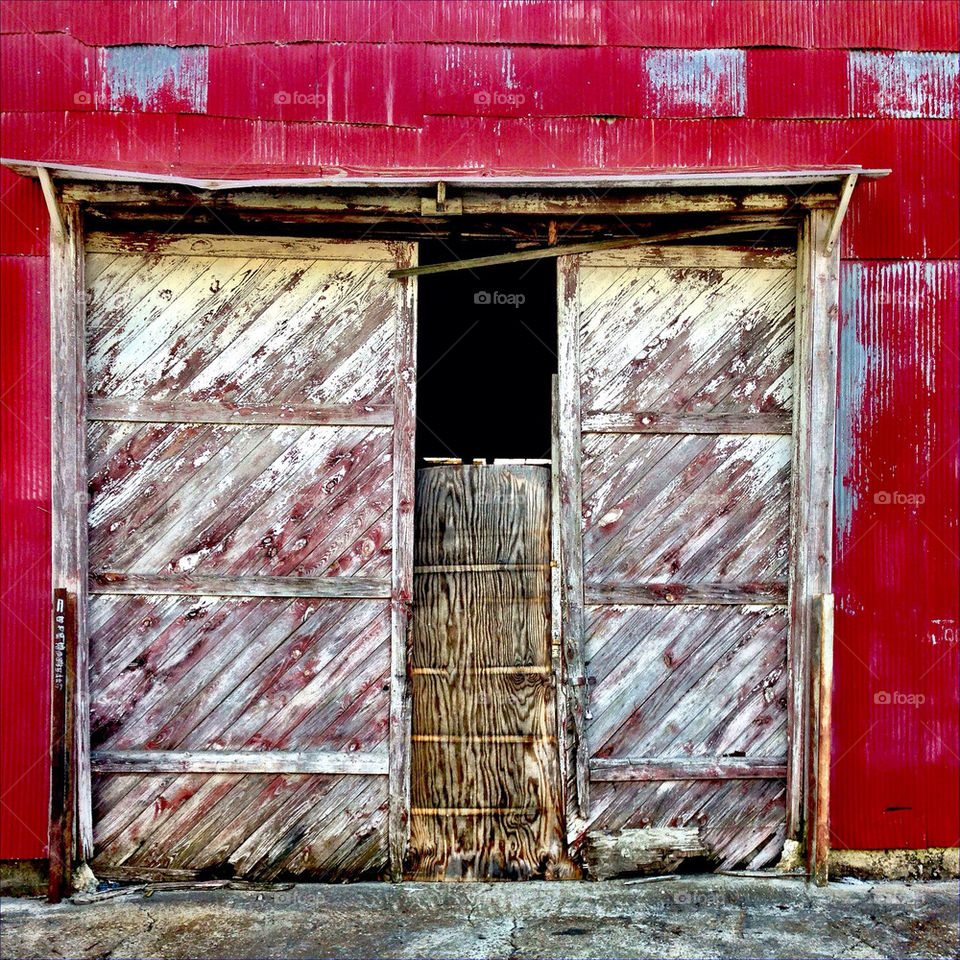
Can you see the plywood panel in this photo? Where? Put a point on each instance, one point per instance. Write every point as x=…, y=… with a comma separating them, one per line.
x=484, y=747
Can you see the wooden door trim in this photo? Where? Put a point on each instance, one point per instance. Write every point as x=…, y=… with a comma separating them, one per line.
x=811, y=513
x=68, y=488
x=404, y=433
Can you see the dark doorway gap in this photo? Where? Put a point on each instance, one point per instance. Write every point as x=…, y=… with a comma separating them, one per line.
x=486, y=352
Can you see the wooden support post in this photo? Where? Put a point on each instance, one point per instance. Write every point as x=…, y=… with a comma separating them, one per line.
x=68, y=434
x=62, y=780
x=558, y=665
x=811, y=513
x=405, y=352
x=819, y=830
x=57, y=229
x=834, y=232
x=568, y=337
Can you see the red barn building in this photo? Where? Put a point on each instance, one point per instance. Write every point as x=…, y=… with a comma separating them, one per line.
x=316, y=144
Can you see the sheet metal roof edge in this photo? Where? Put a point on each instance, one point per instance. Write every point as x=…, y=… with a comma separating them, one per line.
x=674, y=178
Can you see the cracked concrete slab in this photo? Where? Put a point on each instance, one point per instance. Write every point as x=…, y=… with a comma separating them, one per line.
x=697, y=916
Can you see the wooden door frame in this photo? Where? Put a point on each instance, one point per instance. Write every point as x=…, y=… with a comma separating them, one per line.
x=817, y=198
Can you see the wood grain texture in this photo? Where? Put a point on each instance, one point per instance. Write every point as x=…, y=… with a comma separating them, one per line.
x=484, y=754
x=257, y=826
x=193, y=411
x=404, y=437
x=811, y=530
x=206, y=585
x=243, y=520
x=686, y=388
x=246, y=761
x=569, y=378
x=68, y=486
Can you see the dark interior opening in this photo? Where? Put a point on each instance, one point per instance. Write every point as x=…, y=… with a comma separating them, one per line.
x=486, y=352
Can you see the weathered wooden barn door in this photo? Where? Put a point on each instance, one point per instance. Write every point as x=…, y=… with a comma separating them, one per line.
x=484, y=787
x=676, y=391
x=250, y=533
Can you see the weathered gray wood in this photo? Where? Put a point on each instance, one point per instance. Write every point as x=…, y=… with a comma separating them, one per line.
x=57, y=229
x=188, y=411
x=404, y=399
x=557, y=665
x=69, y=481
x=773, y=592
x=568, y=380
x=572, y=249
x=627, y=769
x=811, y=512
x=210, y=585
x=221, y=761
x=233, y=245
x=666, y=423
x=215, y=630
x=698, y=257
x=839, y=213
x=645, y=851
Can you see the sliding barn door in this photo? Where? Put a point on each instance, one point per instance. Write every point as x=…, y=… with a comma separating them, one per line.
x=250, y=476
x=676, y=391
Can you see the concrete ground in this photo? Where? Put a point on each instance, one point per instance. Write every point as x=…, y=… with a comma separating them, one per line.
x=702, y=916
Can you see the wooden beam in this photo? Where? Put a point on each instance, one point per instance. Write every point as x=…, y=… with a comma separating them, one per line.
x=519, y=256
x=236, y=245
x=108, y=582
x=636, y=769
x=189, y=411
x=405, y=381
x=695, y=178
x=243, y=762
x=62, y=777
x=675, y=593
x=820, y=831
x=571, y=512
x=839, y=213
x=57, y=227
x=811, y=508
x=68, y=454
x=703, y=423
x=557, y=607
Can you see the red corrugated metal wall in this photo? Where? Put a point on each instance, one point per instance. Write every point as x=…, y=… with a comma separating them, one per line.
x=370, y=86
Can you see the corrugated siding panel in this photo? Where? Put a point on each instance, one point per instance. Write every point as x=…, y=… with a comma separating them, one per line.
x=25, y=576
x=895, y=763
x=886, y=24
x=904, y=84
x=24, y=216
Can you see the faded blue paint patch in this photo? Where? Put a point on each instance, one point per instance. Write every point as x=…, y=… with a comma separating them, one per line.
x=708, y=82
x=854, y=360
x=904, y=84
x=154, y=78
